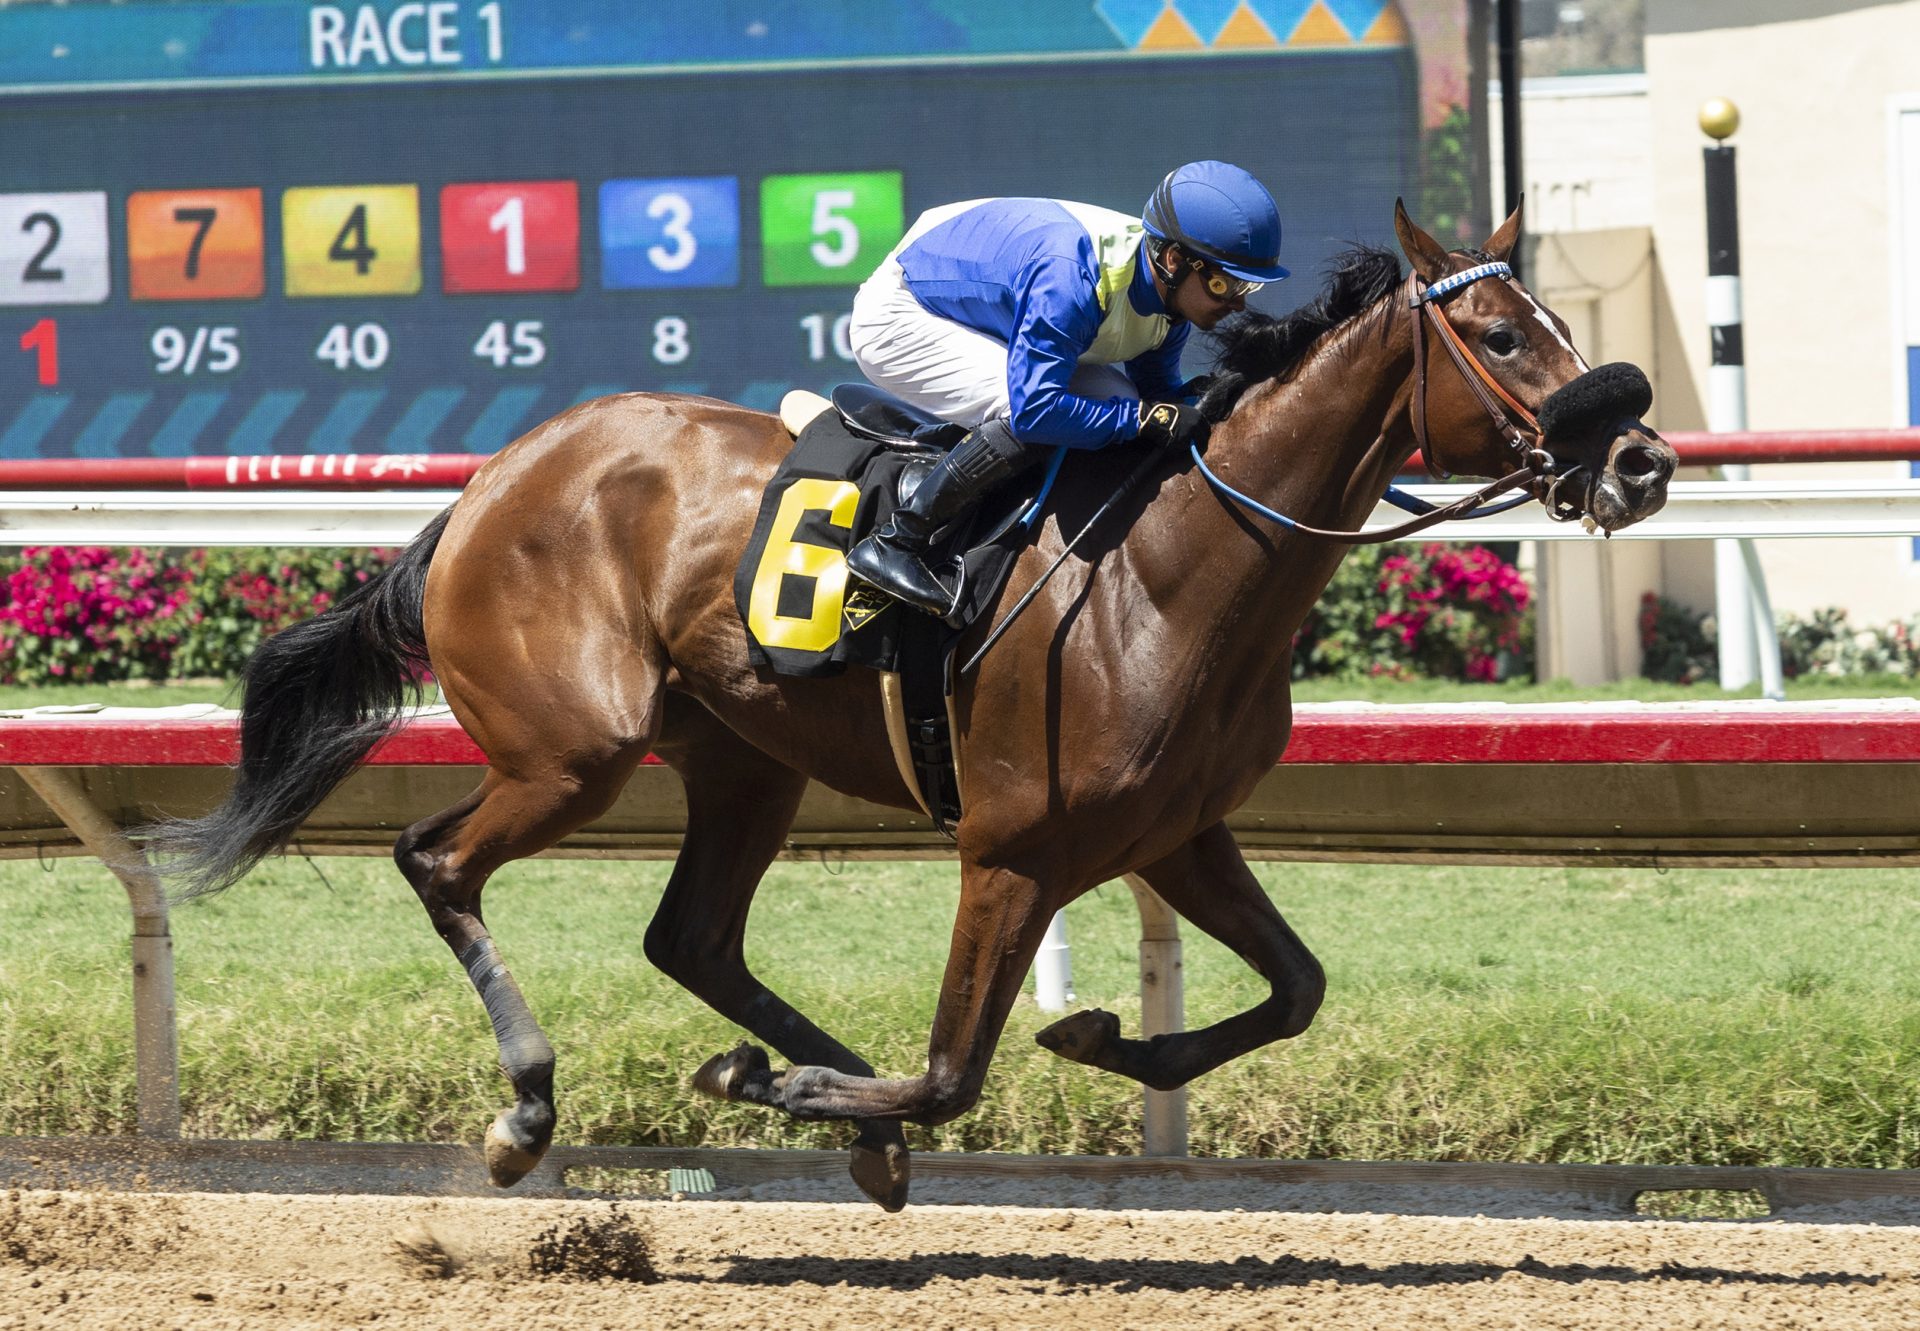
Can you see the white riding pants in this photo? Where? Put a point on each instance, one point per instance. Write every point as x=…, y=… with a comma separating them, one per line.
x=955, y=372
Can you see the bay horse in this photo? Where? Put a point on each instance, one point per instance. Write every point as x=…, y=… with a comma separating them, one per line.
x=576, y=608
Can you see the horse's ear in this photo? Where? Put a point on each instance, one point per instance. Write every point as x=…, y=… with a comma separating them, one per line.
x=1429, y=260
x=1500, y=244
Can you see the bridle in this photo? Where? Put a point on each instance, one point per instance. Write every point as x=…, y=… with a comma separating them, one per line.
x=1501, y=405
x=1519, y=426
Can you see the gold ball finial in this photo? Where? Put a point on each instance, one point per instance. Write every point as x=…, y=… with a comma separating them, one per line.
x=1719, y=117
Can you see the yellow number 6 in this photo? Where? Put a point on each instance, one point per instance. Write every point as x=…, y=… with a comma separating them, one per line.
x=784, y=555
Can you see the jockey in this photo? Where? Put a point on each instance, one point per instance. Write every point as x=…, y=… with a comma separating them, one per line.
x=1039, y=323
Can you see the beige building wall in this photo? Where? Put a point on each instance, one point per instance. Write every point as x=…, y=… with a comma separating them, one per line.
x=1589, y=197
x=1602, y=284
x=1815, y=81
x=1586, y=143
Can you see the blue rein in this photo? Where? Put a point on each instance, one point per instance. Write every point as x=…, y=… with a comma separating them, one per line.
x=1399, y=498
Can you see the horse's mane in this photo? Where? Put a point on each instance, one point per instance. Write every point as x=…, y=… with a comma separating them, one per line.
x=1256, y=347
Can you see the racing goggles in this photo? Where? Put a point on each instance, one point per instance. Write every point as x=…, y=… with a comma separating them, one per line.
x=1219, y=284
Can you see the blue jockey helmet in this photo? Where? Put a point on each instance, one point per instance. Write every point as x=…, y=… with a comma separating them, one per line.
x=1217, y=212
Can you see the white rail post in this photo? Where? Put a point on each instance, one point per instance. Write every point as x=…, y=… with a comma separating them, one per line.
x=156, y=1041
x=1767, y=639
x=1163, y=1011
x=1053, y=967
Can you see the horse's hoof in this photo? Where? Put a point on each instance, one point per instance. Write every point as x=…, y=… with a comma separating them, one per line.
x=722, y=1075
x=883, y=1173
x=510, y=1158
x=1081, y=1036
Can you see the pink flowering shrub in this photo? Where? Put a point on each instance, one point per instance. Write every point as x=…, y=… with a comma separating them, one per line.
x=89, y=613
x=1445, y=612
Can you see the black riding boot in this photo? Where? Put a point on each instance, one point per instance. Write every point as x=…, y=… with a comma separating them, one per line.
x=894, y=557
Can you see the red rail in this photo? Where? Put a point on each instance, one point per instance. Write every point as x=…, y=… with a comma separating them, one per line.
x=1755, y=447
x=1698, y=450
x=1388, y=736
x=304, y=471
x=450, y=471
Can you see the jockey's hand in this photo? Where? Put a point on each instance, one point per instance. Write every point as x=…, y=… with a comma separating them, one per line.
x=1173, y=425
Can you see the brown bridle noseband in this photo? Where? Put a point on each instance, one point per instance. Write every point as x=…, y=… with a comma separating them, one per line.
x=1518, y=425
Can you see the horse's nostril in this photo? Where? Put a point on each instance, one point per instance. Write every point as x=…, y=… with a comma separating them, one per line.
x=1641, y=462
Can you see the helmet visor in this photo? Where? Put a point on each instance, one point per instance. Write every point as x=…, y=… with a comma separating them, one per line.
x=1222, y=285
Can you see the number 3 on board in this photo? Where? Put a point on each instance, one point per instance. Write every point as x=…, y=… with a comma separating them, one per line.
x=681, y=231
x=799, y=588
x=351, y=240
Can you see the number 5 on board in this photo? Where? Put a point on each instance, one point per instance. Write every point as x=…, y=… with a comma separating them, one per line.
x=828, y=230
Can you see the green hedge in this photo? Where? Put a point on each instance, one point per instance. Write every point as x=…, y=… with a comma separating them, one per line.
x=1682, y=645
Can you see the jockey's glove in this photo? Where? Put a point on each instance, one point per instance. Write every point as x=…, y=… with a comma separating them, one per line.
x=1172, y=425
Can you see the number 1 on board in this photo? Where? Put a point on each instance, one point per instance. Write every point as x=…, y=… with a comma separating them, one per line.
x=44, y=340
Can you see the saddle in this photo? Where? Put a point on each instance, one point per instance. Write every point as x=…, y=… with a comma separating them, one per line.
x=878, y=414
x=853, y=461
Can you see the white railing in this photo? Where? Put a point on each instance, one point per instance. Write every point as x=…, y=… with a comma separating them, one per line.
x=1696, y=510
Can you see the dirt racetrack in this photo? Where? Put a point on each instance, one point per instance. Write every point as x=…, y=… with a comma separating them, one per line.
x=259, y=1262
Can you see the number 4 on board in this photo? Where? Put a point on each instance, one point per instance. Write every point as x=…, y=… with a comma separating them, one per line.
x=44, y=340
x=360, y=254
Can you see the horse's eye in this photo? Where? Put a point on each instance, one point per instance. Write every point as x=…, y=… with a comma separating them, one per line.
x=1502, y=340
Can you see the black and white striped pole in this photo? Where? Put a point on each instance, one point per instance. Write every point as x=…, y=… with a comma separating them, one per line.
x=1742, y=609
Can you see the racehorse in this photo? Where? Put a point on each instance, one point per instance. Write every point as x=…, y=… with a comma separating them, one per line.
x=576, y=608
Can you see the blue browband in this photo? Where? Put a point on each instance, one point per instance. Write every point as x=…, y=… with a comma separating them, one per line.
x=1447, y=285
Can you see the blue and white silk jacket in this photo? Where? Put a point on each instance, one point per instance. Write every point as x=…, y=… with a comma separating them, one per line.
x=1061, y=284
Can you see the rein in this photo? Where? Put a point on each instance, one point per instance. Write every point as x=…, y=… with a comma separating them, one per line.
x=1466, y=507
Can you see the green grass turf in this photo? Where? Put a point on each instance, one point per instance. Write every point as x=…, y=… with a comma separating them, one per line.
x=1735, y=1017
x=122, y=694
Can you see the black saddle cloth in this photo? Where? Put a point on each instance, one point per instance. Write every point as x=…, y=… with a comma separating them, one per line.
x=793, y=574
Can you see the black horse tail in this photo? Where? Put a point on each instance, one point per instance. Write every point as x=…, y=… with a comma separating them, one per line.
x=317, y=696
